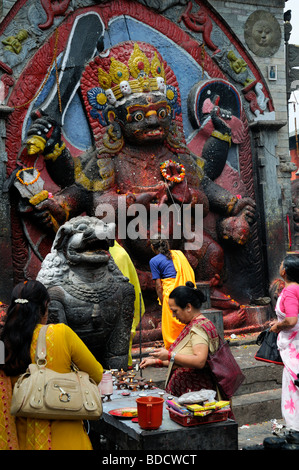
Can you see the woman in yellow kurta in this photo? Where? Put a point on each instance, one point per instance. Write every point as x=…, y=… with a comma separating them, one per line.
x=25, y=316
x=170, y=269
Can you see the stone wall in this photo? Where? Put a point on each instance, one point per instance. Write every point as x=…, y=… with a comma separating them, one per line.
x=272, y=156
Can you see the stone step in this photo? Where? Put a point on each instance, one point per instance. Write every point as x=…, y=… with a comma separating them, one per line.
x=259, y=397
x=258, y=407
x=259, y=376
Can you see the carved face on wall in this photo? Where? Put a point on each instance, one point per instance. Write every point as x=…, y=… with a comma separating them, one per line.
x=144, y=118
x=262, y=33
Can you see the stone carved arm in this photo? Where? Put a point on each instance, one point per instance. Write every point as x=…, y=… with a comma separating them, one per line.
x=44, y=137
x=54, y=211
x=245, y=206
x=56, y=312
x=225, y=203
x=118, y=343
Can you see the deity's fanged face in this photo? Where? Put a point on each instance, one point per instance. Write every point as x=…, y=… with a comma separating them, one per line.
x=144, y=118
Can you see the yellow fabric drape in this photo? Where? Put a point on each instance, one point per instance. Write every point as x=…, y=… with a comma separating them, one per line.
x=8, y=431
x=171, y=327
x=126, y=266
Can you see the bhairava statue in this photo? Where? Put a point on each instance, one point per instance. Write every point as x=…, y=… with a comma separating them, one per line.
x=140, y=157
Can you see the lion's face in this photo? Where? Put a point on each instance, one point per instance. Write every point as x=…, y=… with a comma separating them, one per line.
x=85, y=240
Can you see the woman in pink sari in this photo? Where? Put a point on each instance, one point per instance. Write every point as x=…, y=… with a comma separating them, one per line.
x=287, y=327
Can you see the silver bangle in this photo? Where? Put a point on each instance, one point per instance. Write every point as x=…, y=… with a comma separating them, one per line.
x=172, y=357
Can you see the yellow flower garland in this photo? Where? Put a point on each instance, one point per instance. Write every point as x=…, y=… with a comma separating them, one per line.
x=26, y=169
x=164, y=170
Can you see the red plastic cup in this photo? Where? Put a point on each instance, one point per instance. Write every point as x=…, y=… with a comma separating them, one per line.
x=150, y=412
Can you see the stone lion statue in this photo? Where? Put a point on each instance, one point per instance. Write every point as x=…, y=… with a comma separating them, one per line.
x=87, y=290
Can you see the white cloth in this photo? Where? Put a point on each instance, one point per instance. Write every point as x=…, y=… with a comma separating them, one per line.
x=288, y=345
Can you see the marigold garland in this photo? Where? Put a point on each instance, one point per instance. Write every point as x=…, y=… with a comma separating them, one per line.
x=164, y=167
x=27, y=169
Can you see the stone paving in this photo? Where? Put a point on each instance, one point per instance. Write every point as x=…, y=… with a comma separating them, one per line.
x=253, y=435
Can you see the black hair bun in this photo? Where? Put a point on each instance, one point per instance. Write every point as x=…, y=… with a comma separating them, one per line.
x=190, y=284
x=202, y=297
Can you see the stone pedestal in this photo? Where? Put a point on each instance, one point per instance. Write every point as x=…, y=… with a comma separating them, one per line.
x=6, y=279
x=216, y=317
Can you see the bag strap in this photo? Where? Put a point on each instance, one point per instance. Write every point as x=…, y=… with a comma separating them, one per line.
x=41, y=347
x=209, y=333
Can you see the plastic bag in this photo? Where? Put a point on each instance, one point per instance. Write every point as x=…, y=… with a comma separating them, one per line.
x=197, y=397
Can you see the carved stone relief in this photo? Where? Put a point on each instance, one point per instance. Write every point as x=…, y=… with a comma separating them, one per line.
x=262, y=33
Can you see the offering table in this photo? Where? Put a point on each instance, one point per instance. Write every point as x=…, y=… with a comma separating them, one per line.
x=126, y=434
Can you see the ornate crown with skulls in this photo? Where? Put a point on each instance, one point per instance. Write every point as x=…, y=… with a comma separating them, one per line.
x=139, y=76
x=129, y=68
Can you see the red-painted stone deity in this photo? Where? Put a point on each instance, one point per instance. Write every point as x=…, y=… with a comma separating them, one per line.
x=140, y=157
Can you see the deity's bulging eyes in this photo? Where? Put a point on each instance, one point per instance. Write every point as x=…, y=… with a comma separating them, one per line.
x=145, y=118
x=138, y=116
x=162, y=113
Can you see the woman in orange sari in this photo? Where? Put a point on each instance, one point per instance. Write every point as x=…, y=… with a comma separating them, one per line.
x=170, y=269
x=26, y=314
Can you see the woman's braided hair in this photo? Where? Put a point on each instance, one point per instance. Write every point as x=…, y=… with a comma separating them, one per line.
x=162, y=246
